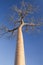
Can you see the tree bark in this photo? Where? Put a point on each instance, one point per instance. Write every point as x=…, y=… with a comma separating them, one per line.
x=20, y=56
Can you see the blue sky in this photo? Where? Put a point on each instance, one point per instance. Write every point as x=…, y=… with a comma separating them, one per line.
x=33, y=42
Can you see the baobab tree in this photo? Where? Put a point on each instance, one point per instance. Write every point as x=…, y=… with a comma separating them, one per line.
x=22, y=13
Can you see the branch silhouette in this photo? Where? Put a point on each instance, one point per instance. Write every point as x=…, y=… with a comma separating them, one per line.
x=23, y=11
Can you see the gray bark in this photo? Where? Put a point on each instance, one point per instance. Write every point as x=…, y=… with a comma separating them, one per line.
x=20, y=56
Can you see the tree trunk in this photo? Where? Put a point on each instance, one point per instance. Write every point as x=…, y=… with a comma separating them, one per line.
x=20, y=56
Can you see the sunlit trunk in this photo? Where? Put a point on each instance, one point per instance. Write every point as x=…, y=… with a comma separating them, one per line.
x=20, y=56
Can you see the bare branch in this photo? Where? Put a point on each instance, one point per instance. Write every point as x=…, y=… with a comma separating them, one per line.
x=13, y=29
x=4, y=30
x=31, y=24
x=21, y=13
x=25, y=9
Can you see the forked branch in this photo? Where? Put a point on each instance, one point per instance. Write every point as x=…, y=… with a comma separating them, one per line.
x=23, y=11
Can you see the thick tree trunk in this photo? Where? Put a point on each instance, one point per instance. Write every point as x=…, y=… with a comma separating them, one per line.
x=20, y=56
